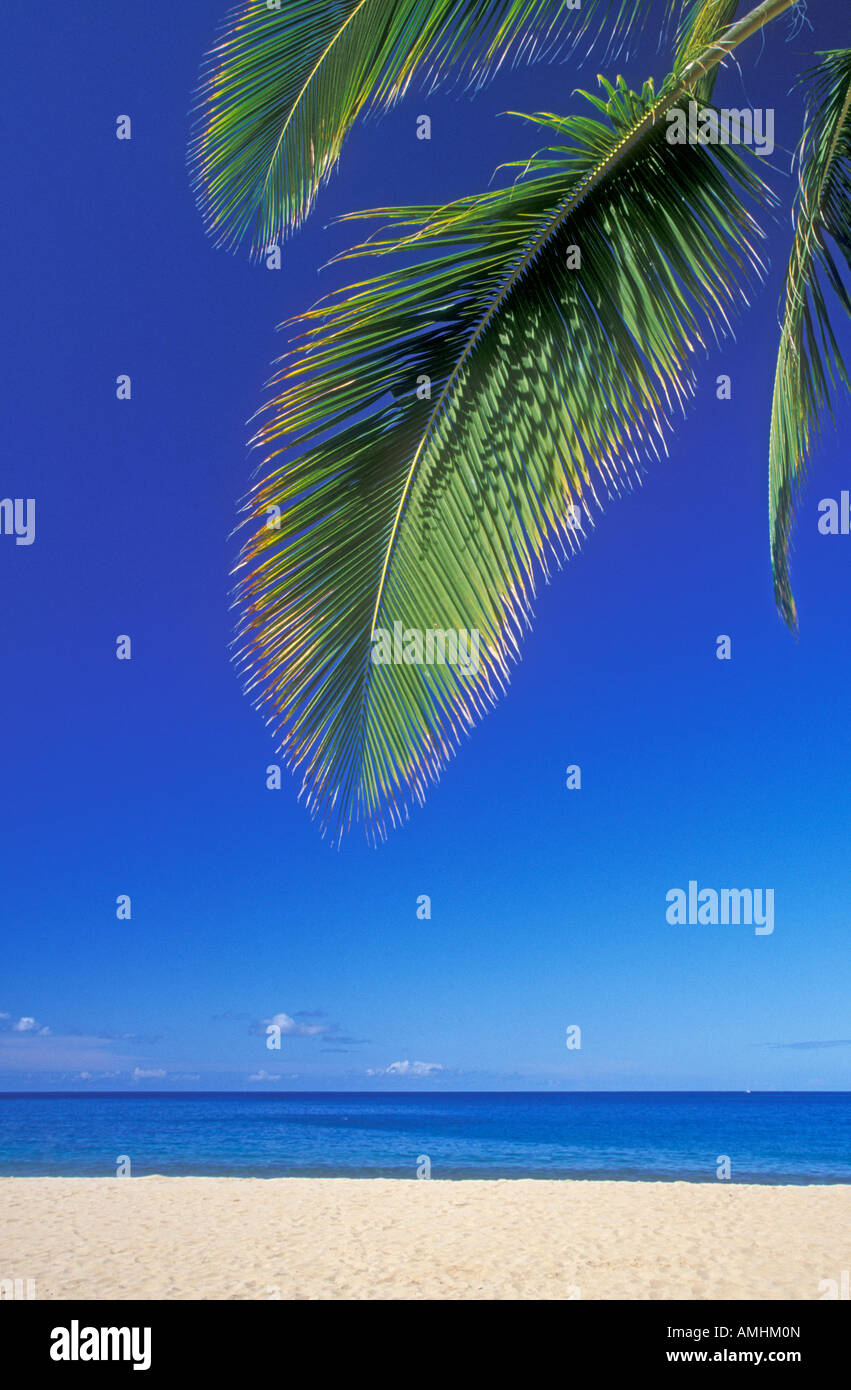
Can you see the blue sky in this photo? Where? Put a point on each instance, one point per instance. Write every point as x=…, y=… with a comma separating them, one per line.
x=147, y=777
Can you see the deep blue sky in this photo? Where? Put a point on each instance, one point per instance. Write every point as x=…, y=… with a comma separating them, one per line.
x=147, y=777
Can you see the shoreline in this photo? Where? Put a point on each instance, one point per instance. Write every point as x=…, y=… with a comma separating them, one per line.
x=401, y=1238
x=441, y=1176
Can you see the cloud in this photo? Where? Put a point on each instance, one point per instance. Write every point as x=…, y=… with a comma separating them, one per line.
x=29, y=1046
x=406, y=1069
x=289, y=1028
x=806, y=1046
x=263, y=1076
x=143, y=1074
x=24, y=1025
x=292, y=1028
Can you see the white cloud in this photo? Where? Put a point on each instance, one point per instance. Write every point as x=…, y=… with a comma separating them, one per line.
x=291, y=1029
x=27, y=1025
x=406, y=1069
x=140, y=1074
x=263, y=1076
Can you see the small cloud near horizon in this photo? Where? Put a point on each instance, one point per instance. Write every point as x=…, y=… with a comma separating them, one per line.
x=290, y=1028
x=23, y=1025
x=406, y=1068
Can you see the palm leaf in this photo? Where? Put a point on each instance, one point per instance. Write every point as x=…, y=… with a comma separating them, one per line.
x=282, y=87
x=701, y=24
x=548, y=383
x=809, y=361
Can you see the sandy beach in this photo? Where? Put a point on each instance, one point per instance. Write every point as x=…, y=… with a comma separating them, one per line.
x=346, y=1238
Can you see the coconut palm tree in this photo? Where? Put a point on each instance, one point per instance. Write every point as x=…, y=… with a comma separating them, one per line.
x=809, y=360
x=444, y=431
x=283, y=86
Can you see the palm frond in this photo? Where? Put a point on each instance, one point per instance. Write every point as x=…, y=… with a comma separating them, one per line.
x=378, y=506
x=701, y=24
x=809, y=361
x=281, y=88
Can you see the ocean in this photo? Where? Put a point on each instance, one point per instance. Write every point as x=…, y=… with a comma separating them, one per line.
x=770, y=1137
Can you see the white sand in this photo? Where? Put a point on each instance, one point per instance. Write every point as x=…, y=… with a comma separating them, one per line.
x=348, y=1238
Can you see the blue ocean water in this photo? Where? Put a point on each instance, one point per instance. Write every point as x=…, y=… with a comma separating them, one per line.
x=769, y=1137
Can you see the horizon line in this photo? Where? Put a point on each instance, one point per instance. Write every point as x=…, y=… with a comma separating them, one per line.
x=729, y=1091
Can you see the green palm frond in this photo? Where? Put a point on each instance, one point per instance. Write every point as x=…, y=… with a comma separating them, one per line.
x=809, y=362
x=380, y=506
x=702, y=22
x=281, y=88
